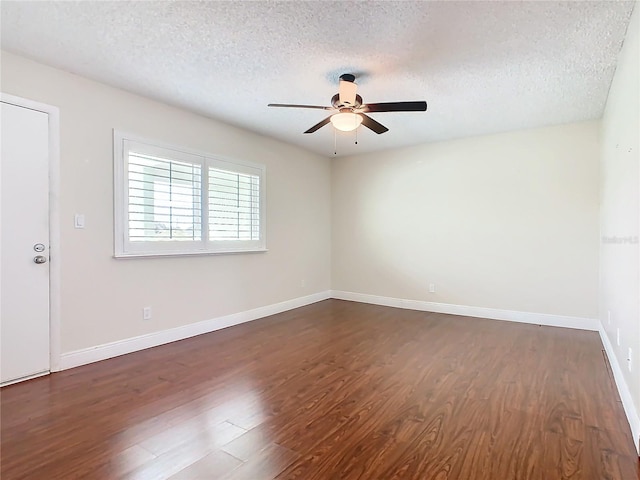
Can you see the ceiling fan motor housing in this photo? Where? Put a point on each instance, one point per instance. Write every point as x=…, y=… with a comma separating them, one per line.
x=335, y=101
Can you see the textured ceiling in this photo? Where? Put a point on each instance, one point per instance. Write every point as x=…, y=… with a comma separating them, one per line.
x=483, y=67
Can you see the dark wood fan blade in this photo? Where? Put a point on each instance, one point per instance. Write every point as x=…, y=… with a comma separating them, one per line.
x=287, y=105
x=395, y=107
x=319, y=125
x=372, y=124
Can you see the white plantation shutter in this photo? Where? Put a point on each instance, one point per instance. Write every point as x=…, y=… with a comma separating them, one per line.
x=164, y=199
x=234, y=205
x=171, y=201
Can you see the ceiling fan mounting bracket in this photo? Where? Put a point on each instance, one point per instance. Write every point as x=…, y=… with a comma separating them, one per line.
x=348, y=77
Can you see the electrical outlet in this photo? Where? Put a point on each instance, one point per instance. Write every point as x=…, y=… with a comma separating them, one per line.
x=432, y=288
x=618, y=336
x=630, y=359
x=303, y=283
x=608, y=317
x=146, y=313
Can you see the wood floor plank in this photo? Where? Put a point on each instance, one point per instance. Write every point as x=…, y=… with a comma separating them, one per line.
x=250, y=443
x=198, y=430
x=215, y=465
x=333, y=390
x=265, y=465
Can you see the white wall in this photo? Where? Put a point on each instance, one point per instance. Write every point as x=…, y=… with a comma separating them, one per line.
x=506, y=221
x=102, y=298
x=620, y=209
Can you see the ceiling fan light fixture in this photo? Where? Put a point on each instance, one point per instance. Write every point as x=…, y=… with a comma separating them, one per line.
x=346, y=121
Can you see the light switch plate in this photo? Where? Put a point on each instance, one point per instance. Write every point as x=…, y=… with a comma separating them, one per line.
x=78, y=221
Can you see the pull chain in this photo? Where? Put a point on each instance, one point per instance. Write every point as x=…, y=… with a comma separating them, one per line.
x=356, y=135
x=335, y=142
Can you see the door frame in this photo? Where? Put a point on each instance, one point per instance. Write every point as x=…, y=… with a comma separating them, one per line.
x=55, y=258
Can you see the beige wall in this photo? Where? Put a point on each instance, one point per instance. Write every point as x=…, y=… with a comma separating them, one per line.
x=102, y=298
x=506, y=221
x=620, y=209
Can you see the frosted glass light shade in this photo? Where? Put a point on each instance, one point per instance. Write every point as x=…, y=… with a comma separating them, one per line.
x=346, y=121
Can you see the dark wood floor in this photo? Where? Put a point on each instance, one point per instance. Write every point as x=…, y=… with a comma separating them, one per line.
x=335, y=390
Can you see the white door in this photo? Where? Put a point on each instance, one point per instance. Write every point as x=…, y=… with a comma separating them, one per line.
x=24, y=243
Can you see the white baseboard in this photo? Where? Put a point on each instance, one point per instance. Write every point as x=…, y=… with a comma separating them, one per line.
x=129, y=345
x=467, y=311
x=623, y=389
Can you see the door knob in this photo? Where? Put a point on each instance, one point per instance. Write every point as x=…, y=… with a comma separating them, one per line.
x=40, y=259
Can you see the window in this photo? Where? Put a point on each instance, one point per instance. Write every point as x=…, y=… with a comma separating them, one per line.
x=172, y=201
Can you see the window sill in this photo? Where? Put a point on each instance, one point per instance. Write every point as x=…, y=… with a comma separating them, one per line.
x=186, y=254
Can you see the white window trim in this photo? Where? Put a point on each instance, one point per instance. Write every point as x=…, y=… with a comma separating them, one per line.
x=123, y=248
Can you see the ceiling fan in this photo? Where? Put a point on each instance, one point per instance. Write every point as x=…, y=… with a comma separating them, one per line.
x=350, y=111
